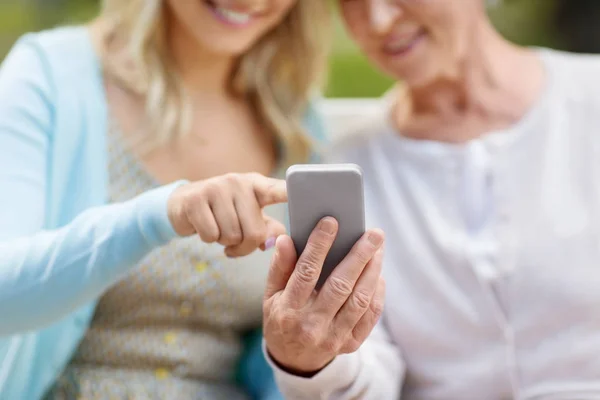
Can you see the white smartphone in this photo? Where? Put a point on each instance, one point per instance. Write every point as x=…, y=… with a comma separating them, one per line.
x=316, y=191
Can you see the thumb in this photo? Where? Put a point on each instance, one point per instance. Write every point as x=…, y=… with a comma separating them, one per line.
x=274, y=228
x=283, y=264
x=269, y=191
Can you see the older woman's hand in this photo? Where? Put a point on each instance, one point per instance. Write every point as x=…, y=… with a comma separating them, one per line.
x=228, y=210
x=304, y=329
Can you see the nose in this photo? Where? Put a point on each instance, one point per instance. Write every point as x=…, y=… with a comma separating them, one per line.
x=383, y=14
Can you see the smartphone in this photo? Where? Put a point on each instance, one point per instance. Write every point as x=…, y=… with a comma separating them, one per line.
x=316, y=191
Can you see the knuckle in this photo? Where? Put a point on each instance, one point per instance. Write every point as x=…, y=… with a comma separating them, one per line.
x=234, y=237
x=252, y=176
x=340, y=287
x=314, y=252
x=211, y=192
x=351, y=346
x=287, y=320
x=359, y=335
x=210, y=186
x=229, y=239
x=307, y=271
x=377, y=308
x=331, y=345
x=309, y=264
x=361, y=332
x=361, y=299
x=308, y=333
x=256, y=235
x=210, y=236
x=232, y=179
x=188, y=201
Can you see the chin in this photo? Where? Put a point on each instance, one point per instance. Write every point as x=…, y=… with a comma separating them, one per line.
x=415, y=65
x=415, y=78
x=227, y=48
x=415, y=74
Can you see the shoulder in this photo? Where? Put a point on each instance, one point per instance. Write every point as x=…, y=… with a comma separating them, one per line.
x=567, y=61
x=576, y=76
x=330, y=119
x=62, y=54
x=56, y=38
x=59, y=42
x=51, y=84
x=356, y=127
x=344, y=117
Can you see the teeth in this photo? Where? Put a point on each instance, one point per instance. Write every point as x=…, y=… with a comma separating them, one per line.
x=233, y=16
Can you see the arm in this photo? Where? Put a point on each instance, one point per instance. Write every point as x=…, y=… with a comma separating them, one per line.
x=44, y=275
x=374, y=372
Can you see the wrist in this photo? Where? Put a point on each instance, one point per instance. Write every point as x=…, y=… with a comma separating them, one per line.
x=152, y=214
x=307, y=371
x=176, y=211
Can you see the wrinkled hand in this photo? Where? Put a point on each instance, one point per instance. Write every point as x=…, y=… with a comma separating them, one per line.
x=228, y=210
x=305, y=330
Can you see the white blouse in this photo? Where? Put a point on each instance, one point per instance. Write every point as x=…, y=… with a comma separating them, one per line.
x=492, y=257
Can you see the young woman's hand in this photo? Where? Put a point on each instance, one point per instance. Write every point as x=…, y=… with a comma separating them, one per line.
x=228, y=210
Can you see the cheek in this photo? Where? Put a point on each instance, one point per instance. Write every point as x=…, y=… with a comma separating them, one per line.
x=356, y=25
x=186, y=14
x=452, y=47
x=453, y=32
x=277, y=15
x=280, y=9
x=181, y=9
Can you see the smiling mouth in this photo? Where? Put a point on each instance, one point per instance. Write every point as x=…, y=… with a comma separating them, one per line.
x=228, y=16
x=403, y=44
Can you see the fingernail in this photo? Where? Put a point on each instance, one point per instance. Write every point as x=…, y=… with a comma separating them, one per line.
x=327, y=225
x=270, y=243
x=375, y=239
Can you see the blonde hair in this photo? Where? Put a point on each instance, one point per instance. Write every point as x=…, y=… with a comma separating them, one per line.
x=278, y=75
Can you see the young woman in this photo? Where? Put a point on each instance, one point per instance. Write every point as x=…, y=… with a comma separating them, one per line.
x=483, y=170
x=119, y=143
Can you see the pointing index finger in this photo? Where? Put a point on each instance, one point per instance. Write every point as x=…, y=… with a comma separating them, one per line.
x=269, y=191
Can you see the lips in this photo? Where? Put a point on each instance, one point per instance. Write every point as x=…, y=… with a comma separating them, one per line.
x=230, y=16
x=402, y=43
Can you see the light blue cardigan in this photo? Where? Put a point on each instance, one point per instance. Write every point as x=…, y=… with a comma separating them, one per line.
x=61, y=246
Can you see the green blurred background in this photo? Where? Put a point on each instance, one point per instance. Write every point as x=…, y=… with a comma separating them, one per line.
x=564, y=24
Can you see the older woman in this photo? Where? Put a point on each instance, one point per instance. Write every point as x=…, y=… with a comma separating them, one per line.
x=483, y=171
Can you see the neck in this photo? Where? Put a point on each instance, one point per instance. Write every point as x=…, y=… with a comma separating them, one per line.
x=495, y=81
x=200, y=71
